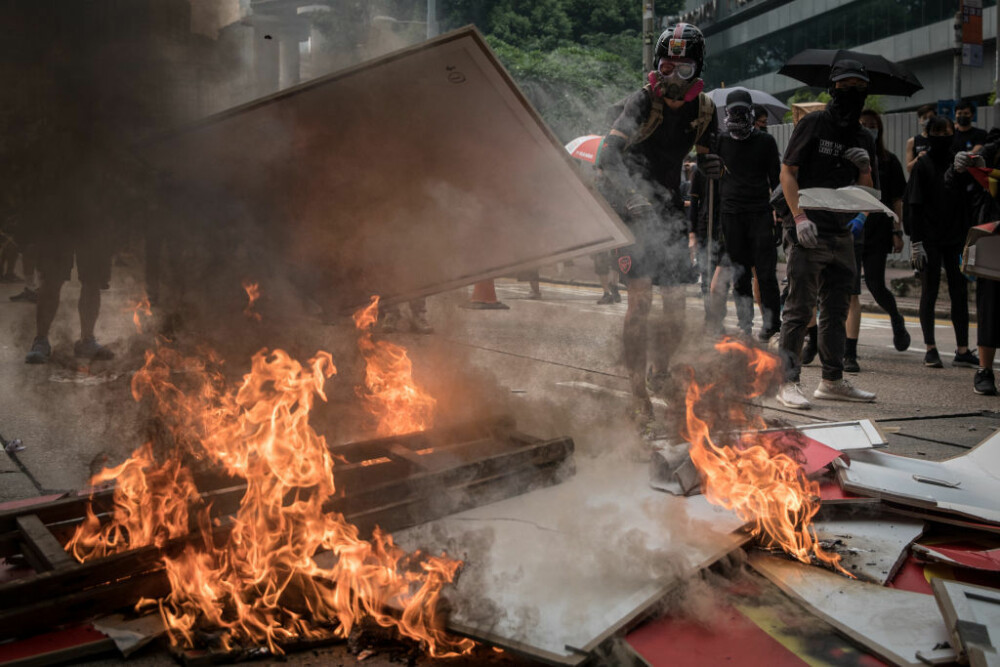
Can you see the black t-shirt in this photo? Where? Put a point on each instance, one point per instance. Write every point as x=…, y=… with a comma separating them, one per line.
x=659, y=159
x=965, y=139
x=816, y=147
x=920, y=143
x=933, y=211
x=753, y=166
x=878, y=227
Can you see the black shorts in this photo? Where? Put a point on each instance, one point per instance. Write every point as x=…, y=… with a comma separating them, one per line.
x=858, y=254
x=987, y=312
x=660, y=253
x=92, y=254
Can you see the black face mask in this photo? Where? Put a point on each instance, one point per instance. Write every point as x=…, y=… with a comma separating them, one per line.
x=940, y=148
x=739, y=122
x=963, y=121
x=847, y=104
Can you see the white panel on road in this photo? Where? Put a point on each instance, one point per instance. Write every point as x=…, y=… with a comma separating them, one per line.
x=552, y=572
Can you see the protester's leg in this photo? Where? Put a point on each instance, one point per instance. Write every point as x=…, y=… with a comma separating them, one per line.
x=987, y=334
x=958, y=291
x=803, y=287
x=635, y=337
x=93, y=267
x=48, y=304
x=418, y=316
x=766, y=269
x=739, y=246
x=667, y=328
x=930, y=281
x=874, y=275
x=718, y=288
x=834, y=297
x=89, y=308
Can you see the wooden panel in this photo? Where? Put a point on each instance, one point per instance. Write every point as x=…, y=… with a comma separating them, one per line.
x=407, y=175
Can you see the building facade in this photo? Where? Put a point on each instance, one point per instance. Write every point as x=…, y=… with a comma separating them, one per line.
x=749, y=40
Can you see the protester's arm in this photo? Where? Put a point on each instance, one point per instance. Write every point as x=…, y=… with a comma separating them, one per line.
x=790, y=186
x=911, y=159
x=773, y=164
x=897, y=225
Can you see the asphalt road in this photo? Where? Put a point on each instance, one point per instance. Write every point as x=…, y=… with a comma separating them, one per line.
x=553, y=363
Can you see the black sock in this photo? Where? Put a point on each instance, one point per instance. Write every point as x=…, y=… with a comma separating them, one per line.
x=851, y=350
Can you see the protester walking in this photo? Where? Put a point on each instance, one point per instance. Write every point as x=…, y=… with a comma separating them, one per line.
x=641, y=163
x=752, y=171
x=937, y=232
x=827, y=149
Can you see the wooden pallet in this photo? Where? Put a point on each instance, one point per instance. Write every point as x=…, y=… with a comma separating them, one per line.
x=393, y=483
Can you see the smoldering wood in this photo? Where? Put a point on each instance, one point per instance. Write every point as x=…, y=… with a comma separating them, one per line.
x=460, y=477
x=407, y=175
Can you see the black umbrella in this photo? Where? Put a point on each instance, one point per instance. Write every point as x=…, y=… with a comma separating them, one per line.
x=812, y=67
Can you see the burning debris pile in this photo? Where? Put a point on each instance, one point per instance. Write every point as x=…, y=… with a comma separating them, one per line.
x=260, y=583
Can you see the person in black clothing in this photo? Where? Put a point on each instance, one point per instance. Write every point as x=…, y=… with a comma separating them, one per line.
x=760, y=118
x=827, y=149
x=966, y=138
x=640, y=176
x=937, y=235
x=752, y=169
x=881, y=235
x=987, y=209
x=917, y=144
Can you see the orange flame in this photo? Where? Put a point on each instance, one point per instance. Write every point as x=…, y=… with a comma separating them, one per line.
x=142, y=307
x=253, y=294
x=390, y=394
x=750, y=476
x=264, y=584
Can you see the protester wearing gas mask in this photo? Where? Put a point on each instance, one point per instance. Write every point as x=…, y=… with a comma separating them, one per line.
x=937, y=227
x=827, y=149
x=966, y=138
x=753, y=165
x=917, y=144
x=640, y=173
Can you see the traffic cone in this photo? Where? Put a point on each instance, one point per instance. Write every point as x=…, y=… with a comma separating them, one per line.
x=484, y=297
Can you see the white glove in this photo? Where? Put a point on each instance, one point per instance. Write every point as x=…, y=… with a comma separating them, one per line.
x=805, y=230
x=860, y=158
x=918, y=256
x=965, y=159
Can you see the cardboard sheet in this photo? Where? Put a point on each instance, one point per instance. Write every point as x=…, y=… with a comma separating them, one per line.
x=966, y=485
x=554, y=572
x=852, y=199
x=415, y=173
x=871, y=548
x=972, y=615
x=892, y=624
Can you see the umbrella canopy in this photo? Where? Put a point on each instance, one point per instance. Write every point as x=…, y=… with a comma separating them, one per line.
x=776, y=109
x=812, y=67
x=586, y=148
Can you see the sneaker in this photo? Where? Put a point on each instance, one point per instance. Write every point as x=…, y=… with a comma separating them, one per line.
x=984, y=384
x=616, y=294
x=40, y=351
x=851, y=365
x=26, y=295
x=967, y=359
x=89, y=348
x=809, y=351
x=606, y=299
x=535, y=296
x=420, y=324
x=900, y=336
x=790, y=395
x=842, y=390
x=765, y=335
x=657, y=383
x=932, y=359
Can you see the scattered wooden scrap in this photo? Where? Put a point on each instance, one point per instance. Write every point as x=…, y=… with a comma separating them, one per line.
x=458, y=467
x=892, y=624
x=972, y=616
x=872, y=547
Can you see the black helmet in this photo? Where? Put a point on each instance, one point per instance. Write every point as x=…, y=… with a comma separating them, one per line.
x=682, y=40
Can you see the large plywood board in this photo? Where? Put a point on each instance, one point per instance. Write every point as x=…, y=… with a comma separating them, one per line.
x=894, y=625
x=965, y=485
x=411, y=174
x=554, y=572
x=972, y=615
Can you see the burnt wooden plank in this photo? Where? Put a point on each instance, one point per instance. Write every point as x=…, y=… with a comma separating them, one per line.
x=41, y=549
x=139, y=572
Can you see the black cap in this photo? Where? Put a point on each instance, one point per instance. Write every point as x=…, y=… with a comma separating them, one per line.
x=847, y=69
x=739, y=97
